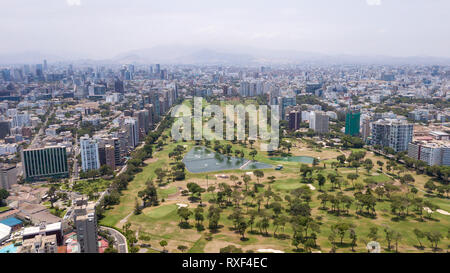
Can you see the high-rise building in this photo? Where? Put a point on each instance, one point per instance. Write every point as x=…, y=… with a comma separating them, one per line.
x=8, y=176
x=118, y=86
x=284, y=102
x=319, y=122
x=90, y=159
x=110, y=159
x=432, y=153
x=143, y=119
x=4, y=129
x=132, y=129
x=295, y=118
x=85, y=220
x=365, y=130
x=352, y=123
x=393, y=133
x=45, y=162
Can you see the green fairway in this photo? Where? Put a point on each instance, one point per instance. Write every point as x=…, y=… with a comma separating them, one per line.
x=161, y=212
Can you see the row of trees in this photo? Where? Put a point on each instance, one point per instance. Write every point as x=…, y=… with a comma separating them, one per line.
x=134, y=166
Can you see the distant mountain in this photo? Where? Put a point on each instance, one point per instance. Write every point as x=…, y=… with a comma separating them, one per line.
x=182, y=55
x=255, y=56
x=239, y=55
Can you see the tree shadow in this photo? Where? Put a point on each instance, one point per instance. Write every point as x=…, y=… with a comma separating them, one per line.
x=184, y=225
x=419, y=247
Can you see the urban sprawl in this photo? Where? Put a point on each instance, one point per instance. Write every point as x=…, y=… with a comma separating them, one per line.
x=88, y=163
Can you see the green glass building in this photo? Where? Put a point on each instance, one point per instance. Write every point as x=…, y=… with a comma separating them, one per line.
x=45, y=163
x=352, y=123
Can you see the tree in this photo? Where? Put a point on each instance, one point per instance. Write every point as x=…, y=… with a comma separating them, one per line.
x=434, y=237
x=246, y=178
x=194, y=189
x=251, y=141
x=163, y=244
x=106, y=170
x=253, y=153
x=231, y=249
x=380, y=163
x=137, y=208
x=3, y=195
x=355, y=164
x=354, y=238
x=234, y=178
x=52, y=195
x=160, y=174
x=341, y=229
x=321, y=180
x=389, y=236
x=407, y=178
x=352, y=177
x=419, y=235
x=368, y=165
x=430, y=186
x=341, y=159
x=373, y=233
x=242, y=227
x=315, y=162
x=397, y=237
x=182, y=248
x=259, y=174
x=198, y=214
x=149, y=195
x=184, y=213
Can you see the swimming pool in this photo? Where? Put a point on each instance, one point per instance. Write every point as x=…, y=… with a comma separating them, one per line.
x=8, y=249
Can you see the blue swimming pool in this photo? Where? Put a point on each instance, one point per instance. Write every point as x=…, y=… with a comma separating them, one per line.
x=8, y=249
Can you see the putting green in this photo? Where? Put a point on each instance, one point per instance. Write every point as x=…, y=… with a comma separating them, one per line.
x=161, y=212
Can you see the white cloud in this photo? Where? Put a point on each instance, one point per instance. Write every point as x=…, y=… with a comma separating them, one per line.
x=72, y=3
x=373, y=2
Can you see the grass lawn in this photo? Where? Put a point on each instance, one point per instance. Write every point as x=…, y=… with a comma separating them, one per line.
x=161, y=211
x=162, y=222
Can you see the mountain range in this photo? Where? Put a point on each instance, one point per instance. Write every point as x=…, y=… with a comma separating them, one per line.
x=174, y=54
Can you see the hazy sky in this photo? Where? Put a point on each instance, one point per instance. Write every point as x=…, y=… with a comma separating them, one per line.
x=104, y=28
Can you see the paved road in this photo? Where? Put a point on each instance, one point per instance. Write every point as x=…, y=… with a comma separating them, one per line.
x=120, y=240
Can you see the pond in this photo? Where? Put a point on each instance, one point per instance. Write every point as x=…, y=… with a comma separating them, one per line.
x=302, y=159
x=200, y=159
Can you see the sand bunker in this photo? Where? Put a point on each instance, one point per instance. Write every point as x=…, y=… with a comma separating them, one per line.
x=311, y=187
x=441, y=211
x=427, y=209
x=269, y=250
x=182, y=205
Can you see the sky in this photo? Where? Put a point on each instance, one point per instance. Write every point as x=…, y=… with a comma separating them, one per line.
x=105, y=28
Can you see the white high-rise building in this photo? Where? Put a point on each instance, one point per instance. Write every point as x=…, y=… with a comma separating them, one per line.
x=90, y=159
x=394, y=133
x=432, y=153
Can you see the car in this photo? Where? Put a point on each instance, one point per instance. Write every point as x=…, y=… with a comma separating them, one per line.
x=279, y=167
